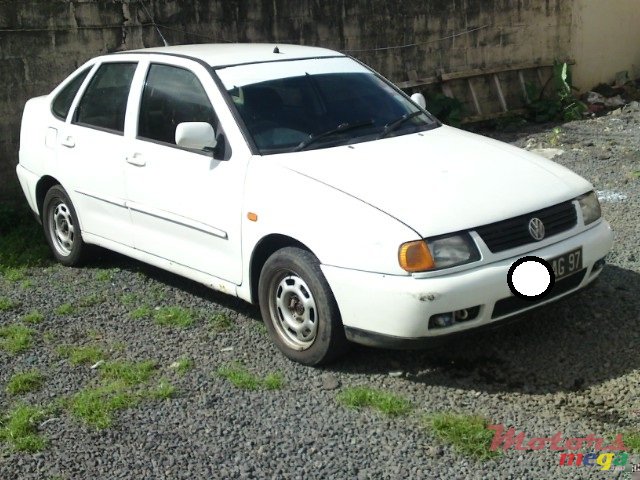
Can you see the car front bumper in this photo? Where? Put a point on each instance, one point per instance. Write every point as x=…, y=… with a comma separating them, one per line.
x=394, y=311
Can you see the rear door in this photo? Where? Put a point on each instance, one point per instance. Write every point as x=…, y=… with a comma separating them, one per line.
x=93, y=146
x=185, y=205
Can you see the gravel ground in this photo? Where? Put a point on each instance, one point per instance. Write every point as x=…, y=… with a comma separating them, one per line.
x=573, y=367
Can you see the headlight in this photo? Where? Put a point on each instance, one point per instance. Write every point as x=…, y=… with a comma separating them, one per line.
x=437, y=253
x=590, y=207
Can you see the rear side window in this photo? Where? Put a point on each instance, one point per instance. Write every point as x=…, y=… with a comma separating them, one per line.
x=104, y=103
x=62, y=103
x=172, y=95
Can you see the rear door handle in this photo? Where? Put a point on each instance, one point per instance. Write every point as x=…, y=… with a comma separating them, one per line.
x=137, y=160
x=68, y=142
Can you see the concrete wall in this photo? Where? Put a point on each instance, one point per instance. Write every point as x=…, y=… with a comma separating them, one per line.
x=605, y=40
x=41, y=41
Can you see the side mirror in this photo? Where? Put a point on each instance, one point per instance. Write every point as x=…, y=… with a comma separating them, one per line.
x=419, y=99
x=196, y=135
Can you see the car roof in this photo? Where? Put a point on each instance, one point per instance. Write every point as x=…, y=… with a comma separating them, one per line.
x=227, y=54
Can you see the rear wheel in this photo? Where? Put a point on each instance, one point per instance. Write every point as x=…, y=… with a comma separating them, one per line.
x=299, y=309
x=61, y=227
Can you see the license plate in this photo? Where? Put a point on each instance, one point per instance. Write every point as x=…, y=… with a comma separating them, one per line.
x=566, y=264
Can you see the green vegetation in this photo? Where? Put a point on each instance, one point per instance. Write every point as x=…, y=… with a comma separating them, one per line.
x=20, y=428
x=559, y=104
x=65, y=309
x=173, y=317
x=129, y=373
x=7, y=304
x=33, y=317
x=141, y=312
x=22, y=242
x=88, y=355
x=128, y=299
x=220, y=322
x=387, y=403
x=162, y=391
x=25, y=382
x=15, y=338
x=273, y=381
x=103, y=276
x=238, y=375
x=15, y=274
x=632, y=440
x=448, y=110
x=90, y=300
x=467, y=433
x=183, y=365
x=96, y=406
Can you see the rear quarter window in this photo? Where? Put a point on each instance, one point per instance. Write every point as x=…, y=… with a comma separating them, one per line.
x=62, y=103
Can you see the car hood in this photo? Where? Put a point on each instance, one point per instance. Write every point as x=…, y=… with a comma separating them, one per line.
x=443, y=180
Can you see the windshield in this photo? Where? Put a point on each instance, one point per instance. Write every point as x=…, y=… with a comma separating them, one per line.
x=318, y=103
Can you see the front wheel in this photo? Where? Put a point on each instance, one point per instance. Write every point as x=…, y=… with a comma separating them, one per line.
x=299, y=309
x=61, y=227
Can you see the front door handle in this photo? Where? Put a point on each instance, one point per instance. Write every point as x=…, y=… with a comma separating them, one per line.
x=68, y=142
x=137, y=160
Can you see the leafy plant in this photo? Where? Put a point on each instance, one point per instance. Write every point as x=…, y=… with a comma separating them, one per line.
x=561, y=103
x=448, y=110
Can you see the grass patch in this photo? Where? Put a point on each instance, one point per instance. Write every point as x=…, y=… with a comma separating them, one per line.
x=260, y=327
x=183, y=365
x=363, y=397
x=273, y=381
x=26, y=284
x=15, y=274
x=240, y=377
x=173, y=317
x=128, y=299
x=15, y=338
x=632, y=440
x=7, y=304
x=141, y=313
x=90, y=301
x=468, y=434
x=220, y=322
x=20, y=428
x=129, y=373
x=96, y=406
x=88, y=355
x=22, y=242
x=65, y=309
x=103, y=275
x=162, y=391
x=34, y=317
x=25, y=382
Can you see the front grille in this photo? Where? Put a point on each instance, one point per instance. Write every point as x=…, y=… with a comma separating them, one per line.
x=510, y=305
x=514, y=232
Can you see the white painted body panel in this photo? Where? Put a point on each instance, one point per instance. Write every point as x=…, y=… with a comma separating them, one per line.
x=352, y=206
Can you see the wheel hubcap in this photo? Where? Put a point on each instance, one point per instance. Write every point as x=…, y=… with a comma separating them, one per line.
x=61, y=228
x=296, y=317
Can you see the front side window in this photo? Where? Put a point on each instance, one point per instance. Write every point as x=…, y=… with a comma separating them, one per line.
x=62, y=103
x=172, y=95
x=104, y=103
x=318, y=103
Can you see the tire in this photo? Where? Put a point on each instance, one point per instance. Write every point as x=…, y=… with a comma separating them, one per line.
x=299, y=309
x=61, y=227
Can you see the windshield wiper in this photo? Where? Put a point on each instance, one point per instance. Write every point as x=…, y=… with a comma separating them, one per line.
x=392, y=126
x=343, y=127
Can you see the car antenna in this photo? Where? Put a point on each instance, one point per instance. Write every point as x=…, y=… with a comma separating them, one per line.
x=153, y=21
x=276, y=50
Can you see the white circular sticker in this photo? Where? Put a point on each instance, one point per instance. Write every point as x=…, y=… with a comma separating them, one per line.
x=530, y=278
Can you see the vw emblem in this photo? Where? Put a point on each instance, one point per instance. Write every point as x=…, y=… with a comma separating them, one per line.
x=536, y=229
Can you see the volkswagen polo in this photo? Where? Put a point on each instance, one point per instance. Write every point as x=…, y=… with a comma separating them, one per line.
x=299, y=179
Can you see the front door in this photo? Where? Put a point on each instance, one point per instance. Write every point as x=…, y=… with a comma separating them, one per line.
x=185, y=205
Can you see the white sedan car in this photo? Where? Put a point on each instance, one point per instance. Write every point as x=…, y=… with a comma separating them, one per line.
x=300, y=179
